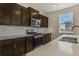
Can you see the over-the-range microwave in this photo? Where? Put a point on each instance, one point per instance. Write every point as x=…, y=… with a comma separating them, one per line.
x=35, y=22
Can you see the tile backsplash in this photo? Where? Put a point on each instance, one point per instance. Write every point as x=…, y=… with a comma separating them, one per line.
x=17, y=30
x=11, y=30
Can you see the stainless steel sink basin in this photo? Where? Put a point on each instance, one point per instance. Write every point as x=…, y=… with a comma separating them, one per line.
x=69, y=39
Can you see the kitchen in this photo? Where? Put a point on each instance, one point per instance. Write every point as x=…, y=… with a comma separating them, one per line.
x=28, y=29
x=20, y=32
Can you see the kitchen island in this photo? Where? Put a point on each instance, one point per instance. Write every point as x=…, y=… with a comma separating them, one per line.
x=58, y=48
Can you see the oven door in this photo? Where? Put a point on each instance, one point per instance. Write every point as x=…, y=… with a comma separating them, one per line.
x=37, y=42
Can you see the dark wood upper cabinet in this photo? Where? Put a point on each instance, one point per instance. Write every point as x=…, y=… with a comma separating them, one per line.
x=26, y=17
x=11, y=14
x=33, y=13
x=44, y=20
x=29, y=44
x=5, y=14
x=17, y=15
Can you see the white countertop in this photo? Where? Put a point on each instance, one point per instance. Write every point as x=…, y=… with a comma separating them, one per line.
x=13, y=36
x=47, y=33
x=57, y=48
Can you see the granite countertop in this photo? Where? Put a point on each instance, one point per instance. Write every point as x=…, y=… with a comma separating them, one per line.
x=13, y=36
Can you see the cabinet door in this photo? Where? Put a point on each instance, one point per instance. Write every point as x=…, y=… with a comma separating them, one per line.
x=17, y=15
x=26, y=19
x=29, y=44
x=7, y=48
x=44, y=39
x=20, y=46
x=44, y=20
x=5, y=13
x=33, y=13
x=49, y=36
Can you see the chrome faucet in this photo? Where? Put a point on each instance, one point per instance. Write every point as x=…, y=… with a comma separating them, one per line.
x=75, y=26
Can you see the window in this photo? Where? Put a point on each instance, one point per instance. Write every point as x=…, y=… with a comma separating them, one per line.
x=66, y=22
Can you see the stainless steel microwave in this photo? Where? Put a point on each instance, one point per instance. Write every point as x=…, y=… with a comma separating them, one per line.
x=35, y=22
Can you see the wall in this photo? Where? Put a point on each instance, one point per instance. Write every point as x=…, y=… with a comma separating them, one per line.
x=18, y=30
x=53, y=24
x=11, y=30
x=54, y=19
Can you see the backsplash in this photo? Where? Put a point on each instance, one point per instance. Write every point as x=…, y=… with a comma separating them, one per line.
x=11, y=30
x=17, y=30
x=39, y=30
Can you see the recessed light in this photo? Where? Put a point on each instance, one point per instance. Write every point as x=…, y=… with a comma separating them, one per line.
x=54, y=6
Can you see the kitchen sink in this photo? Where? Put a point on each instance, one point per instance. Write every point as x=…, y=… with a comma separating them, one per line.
x=69, y=39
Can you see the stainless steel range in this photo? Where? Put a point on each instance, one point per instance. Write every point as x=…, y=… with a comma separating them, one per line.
x=37, y=38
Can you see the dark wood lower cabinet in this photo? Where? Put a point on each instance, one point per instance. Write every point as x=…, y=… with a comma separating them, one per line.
x=12, y=47
x=20, y=46
x=16, y=47
x=7, y=48
x=29, y=44
x=46, y=38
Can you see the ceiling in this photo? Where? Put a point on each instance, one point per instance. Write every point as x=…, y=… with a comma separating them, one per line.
x=48, y=7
